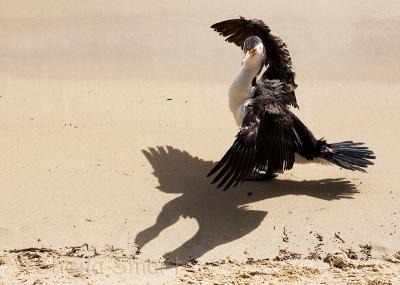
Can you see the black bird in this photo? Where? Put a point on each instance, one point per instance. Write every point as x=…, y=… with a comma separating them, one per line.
x=271, y=138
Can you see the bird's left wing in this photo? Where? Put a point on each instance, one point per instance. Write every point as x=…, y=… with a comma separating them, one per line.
x=266, y=138
x=278, y=61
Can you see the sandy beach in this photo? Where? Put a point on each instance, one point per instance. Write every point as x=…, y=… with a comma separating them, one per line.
x=113, y=113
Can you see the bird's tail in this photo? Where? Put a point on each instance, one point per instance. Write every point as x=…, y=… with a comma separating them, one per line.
x=348, y=154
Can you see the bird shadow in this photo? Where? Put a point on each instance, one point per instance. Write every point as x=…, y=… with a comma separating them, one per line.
x=222, y=216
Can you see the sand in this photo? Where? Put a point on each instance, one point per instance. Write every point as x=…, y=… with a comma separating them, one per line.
x=113, y=113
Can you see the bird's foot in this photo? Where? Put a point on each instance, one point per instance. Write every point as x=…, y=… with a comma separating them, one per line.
x=261, y=176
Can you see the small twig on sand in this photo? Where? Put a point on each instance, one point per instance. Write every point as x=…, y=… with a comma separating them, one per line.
x=285, y=236
x=32, y=249
x=74, y=249
x=95, y=251
x=338, y=237
x=319, y=237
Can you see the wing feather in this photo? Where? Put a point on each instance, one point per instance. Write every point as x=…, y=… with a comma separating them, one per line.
x=266, y=139
x=278, y=60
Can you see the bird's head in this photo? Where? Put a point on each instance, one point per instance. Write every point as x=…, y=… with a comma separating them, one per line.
x=254, y=53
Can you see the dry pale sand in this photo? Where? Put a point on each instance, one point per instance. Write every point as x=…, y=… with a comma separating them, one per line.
x=113, y=112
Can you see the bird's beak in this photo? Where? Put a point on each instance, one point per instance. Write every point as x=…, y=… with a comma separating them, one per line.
x=248, y=54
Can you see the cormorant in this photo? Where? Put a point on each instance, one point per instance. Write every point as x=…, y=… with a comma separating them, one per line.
x=271, y=138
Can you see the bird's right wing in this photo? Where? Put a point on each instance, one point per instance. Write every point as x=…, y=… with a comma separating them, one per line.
x=266, y=138
x=278, y=58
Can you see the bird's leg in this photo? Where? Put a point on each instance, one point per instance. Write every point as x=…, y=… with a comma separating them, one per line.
x=262, y=175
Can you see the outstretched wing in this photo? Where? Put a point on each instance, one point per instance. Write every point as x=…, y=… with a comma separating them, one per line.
x=266, y=139
x=278, y=58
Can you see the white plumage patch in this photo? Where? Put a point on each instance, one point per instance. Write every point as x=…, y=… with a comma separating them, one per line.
x=241, y=92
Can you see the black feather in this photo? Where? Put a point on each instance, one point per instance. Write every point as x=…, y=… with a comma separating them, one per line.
x=349, y=155
x=277, y=61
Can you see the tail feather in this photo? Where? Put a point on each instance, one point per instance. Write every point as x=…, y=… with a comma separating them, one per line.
x=348, y=155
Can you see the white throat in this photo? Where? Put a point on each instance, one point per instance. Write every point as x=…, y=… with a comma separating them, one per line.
x=240, y=92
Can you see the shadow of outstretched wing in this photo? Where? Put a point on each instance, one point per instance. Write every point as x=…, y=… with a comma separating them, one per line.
x=220, y=216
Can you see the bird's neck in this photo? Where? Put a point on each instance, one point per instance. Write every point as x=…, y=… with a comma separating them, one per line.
x=240, y=90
